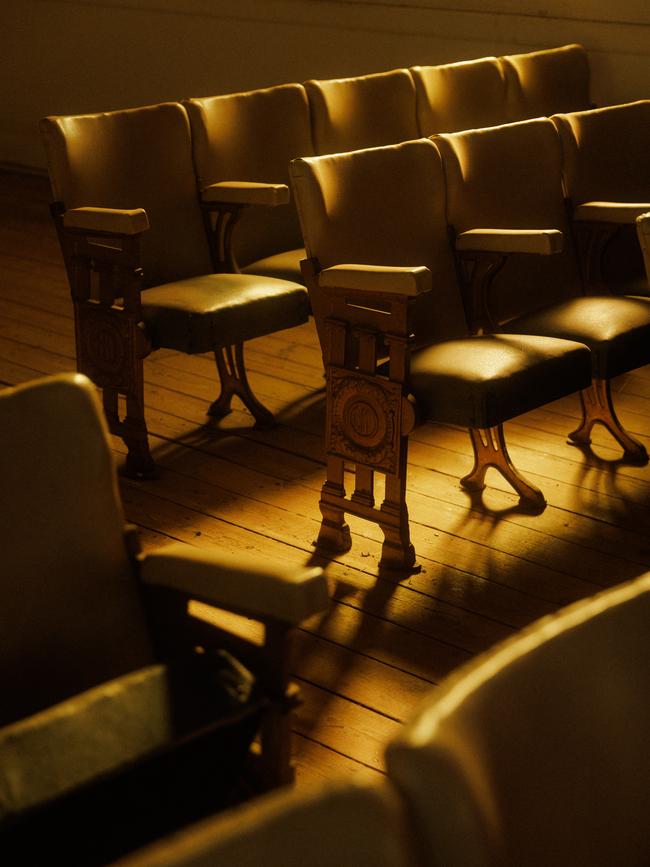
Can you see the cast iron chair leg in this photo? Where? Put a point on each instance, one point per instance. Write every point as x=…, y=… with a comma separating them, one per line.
x=490, y=451
x=598, y=408
x=232, y=373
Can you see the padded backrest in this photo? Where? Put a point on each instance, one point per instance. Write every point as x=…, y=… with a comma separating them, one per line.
x=139, y=158
x=538, y=752
x=510, y=177
x=459, y=96
x=607, y=153
x=347, y=824
x=362, y=112
x=252, y=137
x=383, y=206
x=70, y=613
x=542, y=83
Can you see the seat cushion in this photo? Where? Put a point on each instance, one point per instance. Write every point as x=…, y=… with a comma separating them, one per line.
x=203, y=313
x=617, y=330
x=284, y=266
x=481, y=381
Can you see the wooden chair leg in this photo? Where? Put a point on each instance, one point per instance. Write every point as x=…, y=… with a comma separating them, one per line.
x=490, y=451
x=334, y=532
x=234, y=381
x=598, y=408
x=397, y=552
x=133, y=431
x=277, y=768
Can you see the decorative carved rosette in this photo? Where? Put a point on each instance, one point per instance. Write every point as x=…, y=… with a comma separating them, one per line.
x=105, y=346
x=364, y=419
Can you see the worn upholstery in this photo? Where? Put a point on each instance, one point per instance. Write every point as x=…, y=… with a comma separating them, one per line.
x=141, y=160
x=386, y=206
x=346, y=824
x=542, y=83
x=537, y=752
x=457, y=96
x=493, y=182
x=362, y=112
x=252, y=136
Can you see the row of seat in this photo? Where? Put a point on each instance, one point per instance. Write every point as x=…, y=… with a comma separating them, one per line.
x=536, y=753
x=386, y=283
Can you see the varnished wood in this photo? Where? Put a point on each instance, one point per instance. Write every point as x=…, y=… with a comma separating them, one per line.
x=387, y=639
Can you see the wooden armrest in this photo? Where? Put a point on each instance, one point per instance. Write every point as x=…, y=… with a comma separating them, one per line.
x=544, y=242
x=243, y=585
x=610, y=212
x=377, y=279
x=114, y=221
x=245, y=193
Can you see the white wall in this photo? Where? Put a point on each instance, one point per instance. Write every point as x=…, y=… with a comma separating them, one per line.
x=69, y=56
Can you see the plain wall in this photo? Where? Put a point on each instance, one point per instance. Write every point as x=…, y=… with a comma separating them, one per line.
x=71, y=56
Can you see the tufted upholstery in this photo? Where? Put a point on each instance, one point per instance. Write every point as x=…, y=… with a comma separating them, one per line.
x=362, y=112
x=252, y=136
x=542, y=83
x=457, y=96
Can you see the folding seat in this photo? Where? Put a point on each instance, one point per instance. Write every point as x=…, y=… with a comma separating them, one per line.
x=362, y=112
x=124, y=715
x=607, y=181
x=343, y=824
x=542, y=83
x=537, y=752
x=139, y=263
x=458, y=96
x=510, y=177
x=383, y=272
x=242, y=144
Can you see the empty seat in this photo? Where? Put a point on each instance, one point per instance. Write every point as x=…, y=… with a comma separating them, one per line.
x=542, y=83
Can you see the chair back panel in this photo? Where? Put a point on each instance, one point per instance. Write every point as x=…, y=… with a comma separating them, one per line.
x=510, y=177
x=606, y=153
x=542, y=83
x=538, y=753
x=383, y=206
x=363, y=112
x=138, y=158
x=252, y=137
x=457, y=96
x=70, y=610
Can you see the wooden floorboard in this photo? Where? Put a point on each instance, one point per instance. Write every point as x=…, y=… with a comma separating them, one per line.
x=488, y=568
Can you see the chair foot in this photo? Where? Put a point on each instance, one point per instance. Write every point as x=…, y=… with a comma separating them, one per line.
x=139, y=464
x=490, y=451
x=234, y=381
x=598, y=408
x=334, y=534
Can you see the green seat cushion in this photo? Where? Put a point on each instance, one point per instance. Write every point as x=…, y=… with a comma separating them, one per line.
x=285, y=266
x=481, y=381
x=204, y=313
x=617, y=330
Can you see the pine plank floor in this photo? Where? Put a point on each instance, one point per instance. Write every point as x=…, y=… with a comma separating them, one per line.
x=488, y=569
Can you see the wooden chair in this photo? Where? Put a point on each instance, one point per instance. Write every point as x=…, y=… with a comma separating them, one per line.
x=362, y=112
x=242, y=144
x=537, y=752
x=345, y=824
x=494, y=184
x=607, y=182
x=382, y=278
x=458, y=96
x=542, y=83
x=122, y=716
x=140, y=267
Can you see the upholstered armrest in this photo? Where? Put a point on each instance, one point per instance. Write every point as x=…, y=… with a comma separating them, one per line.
x=245, y=193
x=544, y=242
x=245, y=585
x=610, y=212
x=111, y=220
x=377, y=279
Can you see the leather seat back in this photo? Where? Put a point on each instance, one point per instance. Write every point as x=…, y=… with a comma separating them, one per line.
x=542, y=83
x=383, y=206
x=457, y=96
x=70, y=612
x=362, y=112
x=253, y=136
x=138, y=158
